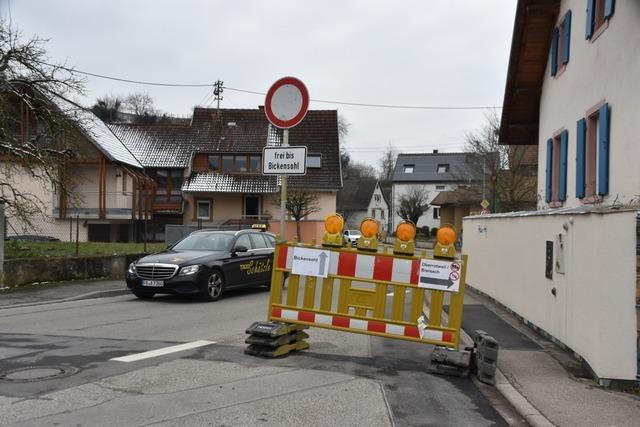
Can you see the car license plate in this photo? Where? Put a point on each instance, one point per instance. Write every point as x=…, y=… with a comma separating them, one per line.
x=153, y=283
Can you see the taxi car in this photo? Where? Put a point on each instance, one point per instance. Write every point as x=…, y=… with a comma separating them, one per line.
x=205, y=264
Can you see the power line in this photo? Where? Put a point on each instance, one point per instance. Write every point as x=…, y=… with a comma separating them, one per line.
x=361, y=104
x=355, y=104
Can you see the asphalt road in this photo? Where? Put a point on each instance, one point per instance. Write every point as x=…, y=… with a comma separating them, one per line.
x=343, y=379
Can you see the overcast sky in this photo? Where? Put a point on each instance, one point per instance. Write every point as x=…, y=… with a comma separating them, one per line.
x=422, y=53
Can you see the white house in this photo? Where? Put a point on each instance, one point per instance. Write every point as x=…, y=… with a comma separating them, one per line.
x=431, y=173
x=379, y=207
x=569, y=268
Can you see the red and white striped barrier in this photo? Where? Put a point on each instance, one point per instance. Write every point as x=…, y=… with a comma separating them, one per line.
x=385, y=268
x=309, y=317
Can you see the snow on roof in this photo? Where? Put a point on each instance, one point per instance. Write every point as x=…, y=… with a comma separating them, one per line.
x=216, y=182
x=98, y=133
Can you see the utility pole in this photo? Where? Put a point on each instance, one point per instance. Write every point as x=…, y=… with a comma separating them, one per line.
x=218, y=88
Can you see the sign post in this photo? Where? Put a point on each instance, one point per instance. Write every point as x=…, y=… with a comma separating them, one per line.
x=285, y=106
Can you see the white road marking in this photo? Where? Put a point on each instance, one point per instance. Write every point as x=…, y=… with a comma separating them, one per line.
x=163, y=351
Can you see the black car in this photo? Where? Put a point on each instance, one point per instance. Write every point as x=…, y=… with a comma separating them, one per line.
x=206, y=264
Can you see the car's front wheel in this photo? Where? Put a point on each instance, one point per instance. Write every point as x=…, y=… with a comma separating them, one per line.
x=214, y=287
x=143, y=294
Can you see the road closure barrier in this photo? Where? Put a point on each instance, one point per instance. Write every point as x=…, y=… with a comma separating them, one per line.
x=372, y=289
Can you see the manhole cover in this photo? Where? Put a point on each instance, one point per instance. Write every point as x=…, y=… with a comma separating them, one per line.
x=37, y=373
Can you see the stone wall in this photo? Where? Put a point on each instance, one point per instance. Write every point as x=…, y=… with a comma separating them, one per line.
x=19, y=272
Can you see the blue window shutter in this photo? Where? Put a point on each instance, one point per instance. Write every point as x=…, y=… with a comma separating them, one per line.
x=554, y=52
x=581, y=146
x=562, y=179
x=549, y=182
x=566, y=37
x=591, y=10
x=609, y=5
x=603, y=149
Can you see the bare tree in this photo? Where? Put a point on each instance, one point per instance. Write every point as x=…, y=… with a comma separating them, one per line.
x=343, y=131
x=140, y=105
x=36, y=135
x=413, y=204
x=301, y=204
x=504, y=173
x=387, y=162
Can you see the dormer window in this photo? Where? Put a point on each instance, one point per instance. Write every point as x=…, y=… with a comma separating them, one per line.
x=443, y=168
x=228, y=163
x=408, y=168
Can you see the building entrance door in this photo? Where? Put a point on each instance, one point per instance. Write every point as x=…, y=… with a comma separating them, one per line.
x=251, y=206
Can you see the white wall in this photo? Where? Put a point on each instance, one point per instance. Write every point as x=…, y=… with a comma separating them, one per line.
x=604, y=69
x=593, y=311
x=399, y=190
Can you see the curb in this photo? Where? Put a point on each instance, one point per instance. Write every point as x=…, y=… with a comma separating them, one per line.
x=512, y=395
x=88, y=295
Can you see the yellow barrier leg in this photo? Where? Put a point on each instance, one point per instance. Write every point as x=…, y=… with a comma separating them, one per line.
x=380, y=300
x=457, y=303
x=397, y=311
x=309, y=292
x=435, y=308
x=343, y=296
x=326, y=295
x=417, y=304
x=292, y=290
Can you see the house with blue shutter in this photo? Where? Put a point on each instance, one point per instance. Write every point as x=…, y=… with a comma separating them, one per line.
x=569, y=268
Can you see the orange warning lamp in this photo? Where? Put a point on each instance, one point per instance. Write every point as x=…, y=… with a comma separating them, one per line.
x=369, y=241
x=405, y=233
x=333, y=225
x=445, y=238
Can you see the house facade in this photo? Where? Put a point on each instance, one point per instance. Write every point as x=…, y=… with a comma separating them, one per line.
x=109, y=195
x=579, y=106
x=208, y=172
x=570, y=270
x=430, y=173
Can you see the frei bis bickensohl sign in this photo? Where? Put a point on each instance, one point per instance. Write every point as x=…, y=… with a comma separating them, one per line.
x=284, y=160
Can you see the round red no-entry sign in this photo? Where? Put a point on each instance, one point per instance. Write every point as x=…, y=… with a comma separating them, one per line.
x=286, y=103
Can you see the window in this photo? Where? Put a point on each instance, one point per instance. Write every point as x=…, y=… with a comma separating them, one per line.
x=560, y=44
x=376, y=197
x=436, y=213
x=255, y=164
x=227, y=164
x=271, y=241
x=439, y=187
x=381, y=213
x=408, y=168
x=258, y=241
x=599, y=13
x=243, y=240
x=168, y=185
x=203, y=209
x=556, y=190
x=214, y=163
x=314, y=160
x=592, y=153
x=373, y=213
x=241, y=164
x=443, y=168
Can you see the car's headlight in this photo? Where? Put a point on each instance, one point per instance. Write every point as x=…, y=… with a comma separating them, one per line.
x=132, y=268
x=189, y=270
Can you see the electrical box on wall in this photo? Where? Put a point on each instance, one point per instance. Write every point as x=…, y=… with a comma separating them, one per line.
x=560, y=239
x=548, y=268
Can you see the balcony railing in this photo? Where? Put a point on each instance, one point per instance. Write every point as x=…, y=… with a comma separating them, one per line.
x=86, y=204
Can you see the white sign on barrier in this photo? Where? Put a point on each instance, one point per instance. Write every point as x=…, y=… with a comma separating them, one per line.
x=310, y=262
x=440, y=275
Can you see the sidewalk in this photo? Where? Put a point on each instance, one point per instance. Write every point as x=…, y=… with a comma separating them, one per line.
x=63, y=291
x=541, y=373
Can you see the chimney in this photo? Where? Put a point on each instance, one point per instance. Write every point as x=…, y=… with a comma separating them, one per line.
x=435, y=151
